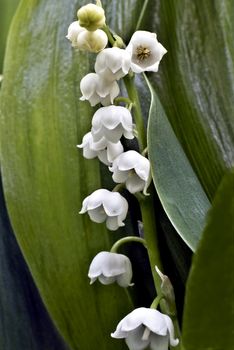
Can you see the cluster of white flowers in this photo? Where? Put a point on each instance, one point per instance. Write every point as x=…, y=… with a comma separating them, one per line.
x=143, y=327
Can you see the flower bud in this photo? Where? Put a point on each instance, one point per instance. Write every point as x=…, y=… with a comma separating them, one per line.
x=92, y=41
x=91, y=17
x=74, y=30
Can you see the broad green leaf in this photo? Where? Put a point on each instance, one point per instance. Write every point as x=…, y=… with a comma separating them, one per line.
x=24, y=322
x=46, y=178
x=7, y=10
x=123, y=16
x=195, y=81
x=208, y=315
x=179, y=190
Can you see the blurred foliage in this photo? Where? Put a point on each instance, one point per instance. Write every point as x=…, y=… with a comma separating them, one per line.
x=7, y=10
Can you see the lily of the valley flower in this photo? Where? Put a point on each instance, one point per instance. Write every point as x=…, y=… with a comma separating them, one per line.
x=113, y=63
x=96, y=90
x=132, y=169
x=144, y=328
x=103, y=205
x=85, y=40
x=112, y=122
x=110, y=267
x=146, y=52
x=74, y=30
x=92, y=41
x=105, y=150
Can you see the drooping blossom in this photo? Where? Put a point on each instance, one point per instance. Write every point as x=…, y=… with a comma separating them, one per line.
x=109, y=267
x=103, y=205
x=96, y=90
x=112, y=122
x=105, y=150
x=145, y=327
x=113, y=63
x=132, y=169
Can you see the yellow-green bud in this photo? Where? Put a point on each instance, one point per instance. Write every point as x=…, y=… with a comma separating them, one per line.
x=91, y=16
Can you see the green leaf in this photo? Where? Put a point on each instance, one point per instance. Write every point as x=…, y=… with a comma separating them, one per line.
x=124, y=15
x=195, y=82
x=208, y=315
x=179, y=190
x=7, y=9
x=46, y=178
x=24, y=322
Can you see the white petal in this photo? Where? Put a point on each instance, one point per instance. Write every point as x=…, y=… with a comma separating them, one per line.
x=97, y=215
x=156, y=51
x=74, y=30
x=106, y=280
x=102, y=156
x=142, y=168
x=134, y=339
x=92, y=41
x=112, y=223
x=114, y=204
x=84, y=205
x=88, y=153
x=114, y=91
x=114, y=150
x=120, y=176
x=134, y=184
x=96, y=198
x=158, y=342
x=127, y=160
x=124, y=279
x=173, y=341
x=88, y=85
x=132, y=321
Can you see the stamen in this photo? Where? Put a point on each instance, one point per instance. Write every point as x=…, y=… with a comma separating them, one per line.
x=146, y=334
x=142, y=52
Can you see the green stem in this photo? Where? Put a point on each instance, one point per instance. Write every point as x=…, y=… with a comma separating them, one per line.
x=151, y=237
x=122, y=99
x=133, y=95
x=110, y=37
x=156, y=301
x=125, y=240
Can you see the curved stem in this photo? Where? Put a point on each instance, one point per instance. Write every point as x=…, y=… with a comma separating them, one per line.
x=156, y=301
x=122, y=99
x=133, y=95
x=110, y=37
x=128, y=239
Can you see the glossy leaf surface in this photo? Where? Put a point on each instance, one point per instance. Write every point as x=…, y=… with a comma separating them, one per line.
x=208, y=315
x=179, y=190
x=195, y=81
x=46, y=178
x=24, y=322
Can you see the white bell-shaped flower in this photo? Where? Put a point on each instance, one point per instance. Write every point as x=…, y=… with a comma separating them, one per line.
x=105, y=150
x=146, y=328
x=112, y=122
x=146, y=52
x=92, y=41
x=74, y=30
x=96, y=90
x=103, y=205
x=113, y=63
x=110, y=267
x=132, y=169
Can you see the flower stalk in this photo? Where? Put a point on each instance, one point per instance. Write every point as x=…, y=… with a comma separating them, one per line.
x=128, y=239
